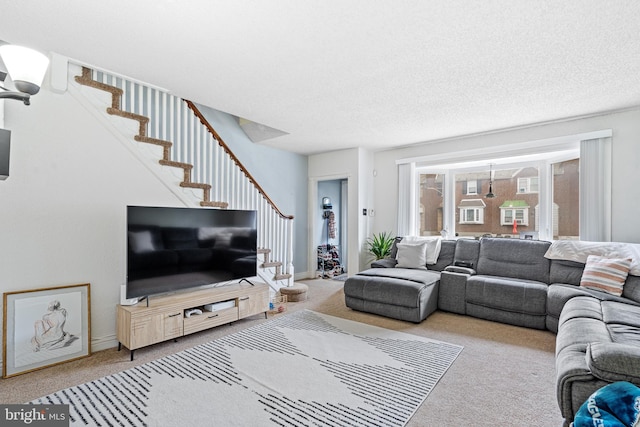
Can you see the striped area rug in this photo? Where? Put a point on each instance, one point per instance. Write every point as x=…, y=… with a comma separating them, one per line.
x=300, y=369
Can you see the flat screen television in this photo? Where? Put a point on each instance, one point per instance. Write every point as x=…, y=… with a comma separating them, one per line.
x=170, y=249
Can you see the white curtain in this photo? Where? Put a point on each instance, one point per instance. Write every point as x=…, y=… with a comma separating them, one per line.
x=407, y=199
x=595, y=190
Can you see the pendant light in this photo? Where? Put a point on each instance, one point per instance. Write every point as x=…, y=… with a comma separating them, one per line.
x=490, y=194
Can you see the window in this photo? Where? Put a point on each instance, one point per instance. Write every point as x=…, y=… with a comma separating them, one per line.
x=472, y=187
x=430, y=204
x=528, y=185
x=471, y=211
x=514, y=210
x=519, y=195
x=471, y=216
x=558, y=198
x=566, y=200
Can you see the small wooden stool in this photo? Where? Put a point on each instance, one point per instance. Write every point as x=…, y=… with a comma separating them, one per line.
x=296, y=292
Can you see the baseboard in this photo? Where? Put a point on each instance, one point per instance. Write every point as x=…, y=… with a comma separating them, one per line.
x=96, y=345
x=104, y=343
x=303, y=275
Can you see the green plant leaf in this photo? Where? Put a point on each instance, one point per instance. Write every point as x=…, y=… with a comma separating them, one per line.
x=379, y=245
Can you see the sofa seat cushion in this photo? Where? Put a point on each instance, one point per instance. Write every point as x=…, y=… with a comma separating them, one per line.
x=597, y=343
x=395, y=286
x=614, y=362
x=559, y=293
x=586, y=320
x=508, y=294
x=623, y=322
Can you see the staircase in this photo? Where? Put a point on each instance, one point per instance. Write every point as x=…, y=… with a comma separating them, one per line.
x=191, y=145
x=265, y=252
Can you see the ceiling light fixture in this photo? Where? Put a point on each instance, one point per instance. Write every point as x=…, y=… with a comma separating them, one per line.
x=490, y=194
x=26, y=67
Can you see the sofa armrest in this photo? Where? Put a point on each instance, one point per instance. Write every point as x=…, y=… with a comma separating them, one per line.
x=461, y=270
x=384, y=263
x=614, y=361
x=451, y=295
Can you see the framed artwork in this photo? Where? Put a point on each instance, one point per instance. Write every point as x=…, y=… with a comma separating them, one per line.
x=45, y=327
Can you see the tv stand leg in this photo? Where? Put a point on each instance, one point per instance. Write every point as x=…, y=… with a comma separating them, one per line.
x=132, y=351
x=119, y=346
x=265, y=314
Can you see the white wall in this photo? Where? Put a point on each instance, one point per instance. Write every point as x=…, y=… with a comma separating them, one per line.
x=625, y=163
x=62, y=220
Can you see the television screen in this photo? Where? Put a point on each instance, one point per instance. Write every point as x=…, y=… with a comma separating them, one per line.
x=169, y=249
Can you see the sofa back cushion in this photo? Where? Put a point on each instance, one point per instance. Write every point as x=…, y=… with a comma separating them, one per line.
x=520, y=259
x=466, y=253
x=569, y=272
x=394, y=247
x=631, y=288
x=445, y=258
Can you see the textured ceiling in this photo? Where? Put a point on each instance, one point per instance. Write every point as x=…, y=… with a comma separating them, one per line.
x=373, y=73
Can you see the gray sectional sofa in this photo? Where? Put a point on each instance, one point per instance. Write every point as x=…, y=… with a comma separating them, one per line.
x=514, y=281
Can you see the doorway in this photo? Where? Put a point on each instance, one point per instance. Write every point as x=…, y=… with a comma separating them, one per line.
x=331, y=237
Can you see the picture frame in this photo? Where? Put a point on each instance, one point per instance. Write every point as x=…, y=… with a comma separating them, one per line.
x=45, y=327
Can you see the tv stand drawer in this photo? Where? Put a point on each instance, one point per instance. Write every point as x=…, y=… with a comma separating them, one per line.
x=209, y=319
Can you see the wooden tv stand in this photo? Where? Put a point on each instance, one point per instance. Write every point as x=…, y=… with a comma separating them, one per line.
x=140, y=325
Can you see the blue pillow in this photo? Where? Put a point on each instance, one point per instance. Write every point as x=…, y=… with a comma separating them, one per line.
x=614, y=405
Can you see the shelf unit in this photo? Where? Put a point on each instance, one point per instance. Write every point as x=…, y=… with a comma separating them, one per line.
x=329, y=261
x=140, y=325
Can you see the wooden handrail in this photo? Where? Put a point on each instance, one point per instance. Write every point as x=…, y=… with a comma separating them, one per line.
x=224, y=146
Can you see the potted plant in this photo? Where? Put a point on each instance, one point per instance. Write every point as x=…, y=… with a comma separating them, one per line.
x=380, y=244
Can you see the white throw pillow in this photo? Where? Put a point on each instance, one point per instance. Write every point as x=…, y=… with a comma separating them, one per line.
x=434, y=243
x=140, y=241
x=412, y=255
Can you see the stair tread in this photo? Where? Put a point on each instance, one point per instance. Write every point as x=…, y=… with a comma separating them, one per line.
x=195, y=185
x=98, y=85
x=264, y=250
x=223, y=205
x=175, y=164
x=271, y=264
x=282, y=276
x=128, y=115
x=155, y=141
x=86, y=80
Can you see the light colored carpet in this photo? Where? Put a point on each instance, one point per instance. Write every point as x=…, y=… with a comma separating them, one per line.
x=331, y=371
x=505, y=375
